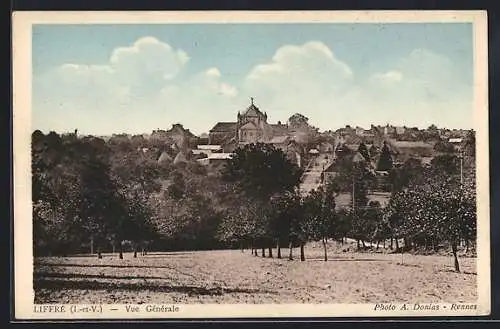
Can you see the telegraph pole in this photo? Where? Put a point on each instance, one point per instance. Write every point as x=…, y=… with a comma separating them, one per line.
x=461, y=166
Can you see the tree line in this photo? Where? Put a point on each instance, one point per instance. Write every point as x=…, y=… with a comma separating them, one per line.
x=89, y=193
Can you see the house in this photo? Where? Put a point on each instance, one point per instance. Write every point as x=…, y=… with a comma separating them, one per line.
x=222, y=132
x=210, y=148
x=326, y=147
x=359, y=131
x=330, y=172
x=455, y=140
x=215, y=159
x=400, y=130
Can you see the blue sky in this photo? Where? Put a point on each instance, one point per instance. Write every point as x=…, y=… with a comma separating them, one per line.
x=105, y=79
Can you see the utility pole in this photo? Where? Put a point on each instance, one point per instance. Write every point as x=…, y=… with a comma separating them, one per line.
x=461, y=166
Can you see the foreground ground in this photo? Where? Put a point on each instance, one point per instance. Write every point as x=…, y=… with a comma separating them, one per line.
x=232, y=276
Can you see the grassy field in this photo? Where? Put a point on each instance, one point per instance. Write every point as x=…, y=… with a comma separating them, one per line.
x=232, y=276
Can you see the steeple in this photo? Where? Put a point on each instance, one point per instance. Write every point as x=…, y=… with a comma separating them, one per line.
x=251, y=100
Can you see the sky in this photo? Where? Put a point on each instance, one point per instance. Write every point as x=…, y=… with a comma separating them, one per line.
x=105, y=79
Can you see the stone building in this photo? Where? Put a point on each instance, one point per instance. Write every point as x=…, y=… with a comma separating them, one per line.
x=251, y=126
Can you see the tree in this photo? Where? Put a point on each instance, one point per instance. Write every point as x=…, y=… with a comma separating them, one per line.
x=258, y=172
x=298, y=121
x=283, y=210
x=374, y=152
x=445, y=165
x=319, y=208
x=444, y=146
x=438, y=209
x=469, y=147
x=385, y=160
x=261, y=170
x=363, y=150
x=299, y=227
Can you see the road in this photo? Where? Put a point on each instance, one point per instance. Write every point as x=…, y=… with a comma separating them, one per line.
x=311, y=178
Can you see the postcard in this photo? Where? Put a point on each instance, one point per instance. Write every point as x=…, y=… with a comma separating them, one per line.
x=250, y=164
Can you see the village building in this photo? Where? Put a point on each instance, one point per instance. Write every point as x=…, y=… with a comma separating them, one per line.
x=252, y=126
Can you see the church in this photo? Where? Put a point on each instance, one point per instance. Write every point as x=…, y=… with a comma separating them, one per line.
x=251, y=126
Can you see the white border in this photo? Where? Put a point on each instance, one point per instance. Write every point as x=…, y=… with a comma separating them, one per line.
x=23, y=251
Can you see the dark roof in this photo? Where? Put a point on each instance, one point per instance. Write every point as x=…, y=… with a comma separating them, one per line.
x=252, y=110
x=224, y=127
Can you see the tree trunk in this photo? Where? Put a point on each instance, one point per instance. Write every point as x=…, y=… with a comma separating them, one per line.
x=99, y=254
x=263, y=252
x=454, y=250
x=120, y=247
x=397, y=244
x=358, y=244
x=324, y=248
x=302, y=255
x=467, y=245
x=143, y=252
x=279, y=248
x=384, y=244
x=378, y=242
x=135, y=250
x=270, y=252
x=391, y=246
x=402, y=259
x=290, y=255
x=363, y=242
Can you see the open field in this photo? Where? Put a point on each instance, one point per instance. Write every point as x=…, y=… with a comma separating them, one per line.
x=232, y=276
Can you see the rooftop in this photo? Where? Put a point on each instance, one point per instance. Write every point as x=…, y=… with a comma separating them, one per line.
x=224, y=127
x=220, y=156
x=209, y=147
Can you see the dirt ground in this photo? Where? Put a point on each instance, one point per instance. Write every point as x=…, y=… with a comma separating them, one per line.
x=232, y=276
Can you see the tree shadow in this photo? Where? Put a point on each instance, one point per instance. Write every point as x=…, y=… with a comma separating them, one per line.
x=41, y=275
x=99, y=265
x=143, y=286
x=461, y=272
x=408, y=265
x=322, y=259
x=165, y=253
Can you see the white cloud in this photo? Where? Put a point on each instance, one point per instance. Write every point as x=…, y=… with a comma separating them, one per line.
x=137, y=90
x=420, y=89
x=298, y=78
x=141, y=88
